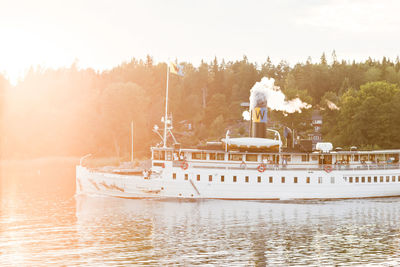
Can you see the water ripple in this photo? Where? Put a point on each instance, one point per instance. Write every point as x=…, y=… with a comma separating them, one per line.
x=52, y=227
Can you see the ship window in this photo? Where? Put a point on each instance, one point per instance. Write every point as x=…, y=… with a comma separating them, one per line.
x=355, y=157
x=387, y=179
x=169, y=155
x=234, y=179
x=198, y=177
x=357, y=179
x=235, y=157
x=364, y=158
x=393, y=178
x=220, y=156
x=369, y=179
x=212, y=156
x=350, y=179
x=196, y=155
x=187, y=176
x=156, y=155
x=314, y=158
x=308, y=180
x=295, y=180
x=258, y=179
x=363, y=179
x=159, y=155
x=265, y=157
x=375, y=179
x=210, y=178
x=381, y=179
x=283, y=180
x=305, y=157
x=174, y=175
x=246, y=179
x=271, y=179
x=380, y=158
x=251, y=157
x=332, y=180
x=199, y=155
x=320, y=180
x=398, y=178
x=222, y=178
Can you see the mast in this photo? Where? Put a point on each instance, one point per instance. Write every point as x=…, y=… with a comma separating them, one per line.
x=166, y=111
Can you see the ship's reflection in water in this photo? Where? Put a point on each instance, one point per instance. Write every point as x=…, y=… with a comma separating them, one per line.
x=121, y=231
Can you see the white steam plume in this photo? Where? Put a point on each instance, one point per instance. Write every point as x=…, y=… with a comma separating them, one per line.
x=246, y=115
x=331, y=105
x=266, y=92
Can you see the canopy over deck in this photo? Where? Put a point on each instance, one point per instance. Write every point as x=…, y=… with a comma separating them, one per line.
x=252, y=143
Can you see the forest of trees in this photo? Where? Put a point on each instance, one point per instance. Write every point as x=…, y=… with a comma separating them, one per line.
x=72, y=111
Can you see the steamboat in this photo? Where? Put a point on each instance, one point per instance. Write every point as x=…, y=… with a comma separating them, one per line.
x=252, y=168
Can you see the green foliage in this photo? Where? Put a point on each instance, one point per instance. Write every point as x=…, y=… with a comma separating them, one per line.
x=117, y=112
x=373, y=74
x=217, y=127
x=329, y=112
x=217, y=106
x=370, y=116
x=71, y=111
x=241, y=131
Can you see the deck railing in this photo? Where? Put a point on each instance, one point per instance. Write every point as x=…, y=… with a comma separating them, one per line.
x=311, y=167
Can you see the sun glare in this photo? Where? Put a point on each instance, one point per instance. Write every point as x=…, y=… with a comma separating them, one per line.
x=22, y=50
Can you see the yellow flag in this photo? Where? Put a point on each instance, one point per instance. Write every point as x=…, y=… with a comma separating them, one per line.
x=175, y=69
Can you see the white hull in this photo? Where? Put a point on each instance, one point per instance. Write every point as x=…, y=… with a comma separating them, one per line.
x=322, y=185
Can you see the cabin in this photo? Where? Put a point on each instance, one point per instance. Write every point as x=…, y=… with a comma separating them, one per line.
x=317, y=160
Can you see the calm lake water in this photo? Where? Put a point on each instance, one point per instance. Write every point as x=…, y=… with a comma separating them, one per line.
x=42, y=223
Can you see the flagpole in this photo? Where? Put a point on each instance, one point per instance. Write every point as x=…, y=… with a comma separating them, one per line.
x=166, y=110
x=132, y=141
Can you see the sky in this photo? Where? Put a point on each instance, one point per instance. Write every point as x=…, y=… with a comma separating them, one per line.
x=103, y=34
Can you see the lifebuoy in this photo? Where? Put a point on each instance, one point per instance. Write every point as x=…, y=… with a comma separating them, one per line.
x=185, y=165
x=328, y=168
x=261, y=168
x=243, y=165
